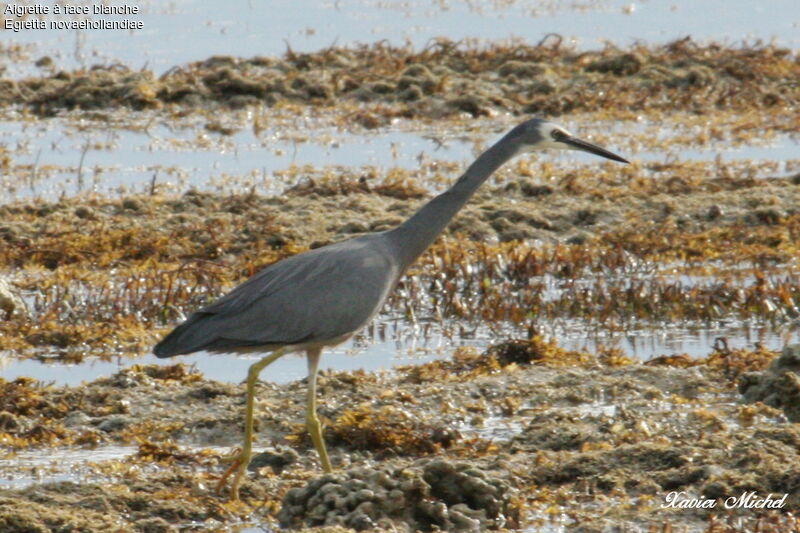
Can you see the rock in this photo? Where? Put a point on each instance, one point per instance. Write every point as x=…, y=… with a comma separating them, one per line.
x=353, y=227
x=77, y=419
x=778, y=386
x=766, y=217
x=619, y=65
x=114, y=423
x=714, y=212
x=521, y=69
x=132, y=204
x=10, y=303
x=474, y=105
x=431, y=494
x=533, y=190
x=154, y=525
x=85, y=213
x=278, y=461
x=9, y=423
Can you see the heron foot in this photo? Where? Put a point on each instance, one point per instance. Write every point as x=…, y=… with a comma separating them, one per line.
x=240, y=460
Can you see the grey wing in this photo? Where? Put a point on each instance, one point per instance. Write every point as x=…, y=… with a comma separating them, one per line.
x=317, y=296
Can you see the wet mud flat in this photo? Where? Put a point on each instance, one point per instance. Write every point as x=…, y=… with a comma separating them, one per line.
x=525, y=435
x=104, y=277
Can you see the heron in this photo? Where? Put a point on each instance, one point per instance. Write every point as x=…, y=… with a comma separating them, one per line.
x=320, y=298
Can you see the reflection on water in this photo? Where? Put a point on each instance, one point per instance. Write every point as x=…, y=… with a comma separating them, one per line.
x=52, y=465
x=58, y=157
x=395, y=343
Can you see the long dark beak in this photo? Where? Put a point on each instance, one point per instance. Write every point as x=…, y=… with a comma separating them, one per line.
x=583, y=146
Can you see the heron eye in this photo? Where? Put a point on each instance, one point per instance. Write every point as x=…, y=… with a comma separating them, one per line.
x=558, y=135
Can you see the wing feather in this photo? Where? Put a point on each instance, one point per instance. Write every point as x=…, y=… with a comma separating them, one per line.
x=316, y=296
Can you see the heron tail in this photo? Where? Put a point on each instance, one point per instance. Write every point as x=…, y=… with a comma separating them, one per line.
x=189, y=337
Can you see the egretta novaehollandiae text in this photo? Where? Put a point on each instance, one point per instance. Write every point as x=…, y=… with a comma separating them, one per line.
x=322, y=297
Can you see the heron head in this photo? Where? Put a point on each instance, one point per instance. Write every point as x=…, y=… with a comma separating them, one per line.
x=539, y=134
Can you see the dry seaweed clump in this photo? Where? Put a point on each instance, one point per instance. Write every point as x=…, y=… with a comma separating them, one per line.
x=467, y=363
x=395, y=186
x=430, y=495
x=537, y=350
x=778, y=386
x=443, y=79
x=388, y=429
x=737, y=361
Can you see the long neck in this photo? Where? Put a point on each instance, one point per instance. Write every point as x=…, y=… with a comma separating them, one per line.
x=412, y=237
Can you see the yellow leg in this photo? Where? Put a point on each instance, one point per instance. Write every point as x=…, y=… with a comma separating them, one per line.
x=242, y=459
x=312, y=422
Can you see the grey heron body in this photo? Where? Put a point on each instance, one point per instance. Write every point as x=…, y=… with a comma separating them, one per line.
x=322, y=297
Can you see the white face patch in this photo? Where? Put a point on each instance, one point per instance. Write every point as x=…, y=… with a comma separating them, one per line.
x=537, y=135
x=546, y=130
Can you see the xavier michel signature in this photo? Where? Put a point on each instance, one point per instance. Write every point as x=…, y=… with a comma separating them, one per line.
x=746, y=500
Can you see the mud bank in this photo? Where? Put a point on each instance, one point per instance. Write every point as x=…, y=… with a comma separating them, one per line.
x=444, y=79
x=585, y=441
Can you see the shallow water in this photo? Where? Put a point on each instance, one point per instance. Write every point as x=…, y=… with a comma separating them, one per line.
x=65, y=158
x=181, y=31
x=405, y=344
x=52, y=465
x=120, y=158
